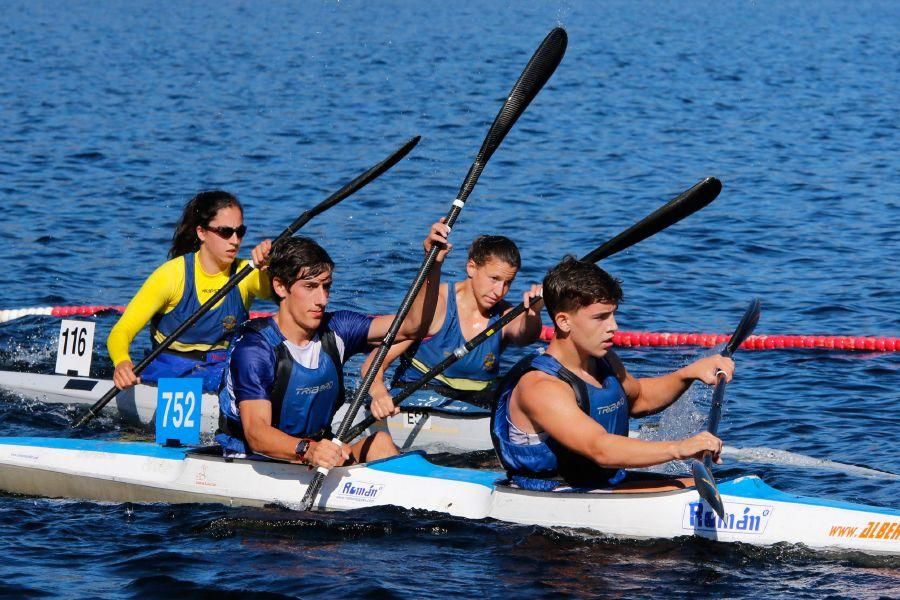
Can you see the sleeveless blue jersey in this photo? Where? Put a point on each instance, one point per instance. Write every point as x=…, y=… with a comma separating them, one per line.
x=531, y=466
x=474, y=372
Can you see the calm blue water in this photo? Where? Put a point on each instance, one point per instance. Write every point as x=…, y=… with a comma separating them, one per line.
x=114, y=114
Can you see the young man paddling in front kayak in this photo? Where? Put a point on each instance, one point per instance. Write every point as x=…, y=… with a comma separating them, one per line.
x=464, y=309
x=284, y=380
x=563, y=415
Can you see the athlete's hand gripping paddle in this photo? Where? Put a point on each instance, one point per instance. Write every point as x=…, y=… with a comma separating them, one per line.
x=703, y=477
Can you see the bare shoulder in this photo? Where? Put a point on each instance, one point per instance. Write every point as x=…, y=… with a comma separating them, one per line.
x=547, y=402
x=443, y=293
x=537, y=388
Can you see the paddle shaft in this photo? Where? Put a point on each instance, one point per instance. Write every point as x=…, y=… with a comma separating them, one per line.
x=743, y=331
x=357, y=184
x=405, y=306
x=715, y=412
x=536, y=73
x=672, y=212
x=703, y=477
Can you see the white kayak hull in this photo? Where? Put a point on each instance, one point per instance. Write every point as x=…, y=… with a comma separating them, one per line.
x=137, y=406
x=138, y=472
x=415, y=429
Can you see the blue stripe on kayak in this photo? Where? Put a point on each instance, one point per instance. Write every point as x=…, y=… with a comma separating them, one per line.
x=414, y=463
x=133, y=448
x=754, y=487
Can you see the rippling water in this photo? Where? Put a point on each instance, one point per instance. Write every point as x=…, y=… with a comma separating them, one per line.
x=114, y=114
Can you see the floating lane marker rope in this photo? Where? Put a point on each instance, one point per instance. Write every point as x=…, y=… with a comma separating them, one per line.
x=57, y=311
x=757, y=342
x=626, y=339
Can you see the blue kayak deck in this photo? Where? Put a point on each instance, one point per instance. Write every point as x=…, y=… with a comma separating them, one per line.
x=130, y=448
x=413, y=463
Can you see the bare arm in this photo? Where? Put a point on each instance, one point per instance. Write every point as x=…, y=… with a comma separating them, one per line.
x=550, y=405
x=419, y=320
x=256, y=420
x=382, y=403
x=526, y=328
x=649, y=395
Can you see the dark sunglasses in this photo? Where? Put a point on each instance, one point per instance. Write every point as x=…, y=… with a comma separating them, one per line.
x=226, y=232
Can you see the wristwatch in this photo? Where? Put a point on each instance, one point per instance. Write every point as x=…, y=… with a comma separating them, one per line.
x=301, y=448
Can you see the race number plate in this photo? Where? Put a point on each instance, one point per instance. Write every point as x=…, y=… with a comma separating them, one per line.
x=416, y=419
x=178, y=411
x=76, y=345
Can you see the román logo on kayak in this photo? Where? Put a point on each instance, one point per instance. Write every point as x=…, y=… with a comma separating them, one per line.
x=740, y=518
x=360, y=491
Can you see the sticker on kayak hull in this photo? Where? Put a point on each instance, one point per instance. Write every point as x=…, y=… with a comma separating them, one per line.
x=415, y=419
x=739, y=518
x=360, y=492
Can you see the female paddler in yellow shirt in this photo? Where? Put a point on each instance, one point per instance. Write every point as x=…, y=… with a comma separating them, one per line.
x=202, y=259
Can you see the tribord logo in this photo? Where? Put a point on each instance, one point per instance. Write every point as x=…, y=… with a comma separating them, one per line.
x=359, y=491
x=739, y=518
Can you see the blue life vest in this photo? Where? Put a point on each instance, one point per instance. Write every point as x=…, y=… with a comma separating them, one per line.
x=541, y=466
x=474, y=372
x=304, y=400
x=213, y=328
x=167, y=364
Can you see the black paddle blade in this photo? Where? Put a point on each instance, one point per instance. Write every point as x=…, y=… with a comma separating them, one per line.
x=744, y=328
x=706, y=487
x=351, y=188
x=686, y=204
x=538, y=70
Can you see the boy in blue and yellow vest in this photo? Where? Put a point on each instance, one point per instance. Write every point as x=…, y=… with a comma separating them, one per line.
x=464, y=309
x=562, y=416
x=284, y=380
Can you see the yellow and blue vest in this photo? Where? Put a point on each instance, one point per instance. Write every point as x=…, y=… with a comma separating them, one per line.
x=474, y=372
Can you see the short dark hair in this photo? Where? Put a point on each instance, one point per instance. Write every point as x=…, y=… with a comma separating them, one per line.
x=502, y=248
x=574, y=284
x=296, y=258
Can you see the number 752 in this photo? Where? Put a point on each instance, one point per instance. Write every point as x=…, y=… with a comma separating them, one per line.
x=181, y=406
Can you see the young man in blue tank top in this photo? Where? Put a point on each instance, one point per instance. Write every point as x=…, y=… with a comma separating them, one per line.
x=284, y=380
x=464, y=309
x=563, y=415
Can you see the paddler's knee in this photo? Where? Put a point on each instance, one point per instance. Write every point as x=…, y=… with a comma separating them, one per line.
x=376, y=446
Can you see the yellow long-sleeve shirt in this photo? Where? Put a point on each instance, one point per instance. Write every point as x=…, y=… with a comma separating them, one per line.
x=162, y=292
